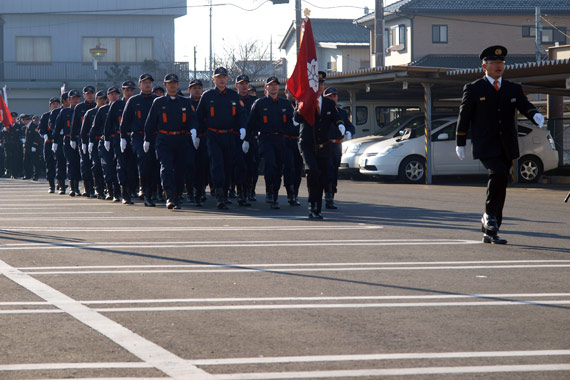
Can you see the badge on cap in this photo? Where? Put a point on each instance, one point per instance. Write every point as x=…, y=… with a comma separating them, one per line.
x=498, y=52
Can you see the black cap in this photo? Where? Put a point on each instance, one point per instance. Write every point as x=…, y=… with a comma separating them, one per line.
x=155, y=88
x=113, y=89
x=220, y=71
x=494, y=52
x=322, y=76
x=129, y=84
x=64, y=96
x=25, y=117
x=171, y=78
x=14, y=114
x=330, y=91
x=195, y=82
x=272, y=79
x=251, y=88
x=36, y=118
x=87, y=89
x=54, y=100
x=73, y=93
x=101, y=94
x=146, y=76
x=242, y=78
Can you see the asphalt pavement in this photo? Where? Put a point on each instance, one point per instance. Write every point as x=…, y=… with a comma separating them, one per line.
x=396, y=283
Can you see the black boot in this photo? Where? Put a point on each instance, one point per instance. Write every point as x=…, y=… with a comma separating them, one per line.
x=72, y=192
x=329, y=201
x=314, y=212
x=170, y=200
x=226, y=197
x=232, y=192
x=197, y=197
x=116, y=193
x=148, y=202
x=99, y=189
x=220, y=197
x=190, y=192
x=51, y=186
x=274, y=203
x=109, y=196
x=242, y=198
x=126, y=195
x=61, y=184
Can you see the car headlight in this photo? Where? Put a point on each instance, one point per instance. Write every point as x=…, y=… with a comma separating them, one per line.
x=551, y=141
x=387, y=150
x=354, y=148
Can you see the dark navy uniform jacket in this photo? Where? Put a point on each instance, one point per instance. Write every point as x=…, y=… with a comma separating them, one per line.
x=335, y=133
x=51, y=122
x=491, y=114
x=135, y=114
x=270, y=116
x=170, y=117
x=98, y=128
x=44, y=128
x=114, y=117
x=63, y=124
x=221, y=111
x=87, y=124
x=33, y=139
x=317, y=136
x=78, y=115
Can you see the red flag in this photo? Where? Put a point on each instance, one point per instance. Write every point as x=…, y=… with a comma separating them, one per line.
x=304, y=83
x=5, y=115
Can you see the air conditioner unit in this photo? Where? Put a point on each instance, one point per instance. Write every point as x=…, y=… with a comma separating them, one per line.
x=397, y=47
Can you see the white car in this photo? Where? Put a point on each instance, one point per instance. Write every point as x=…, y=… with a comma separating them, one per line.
x=404, y=156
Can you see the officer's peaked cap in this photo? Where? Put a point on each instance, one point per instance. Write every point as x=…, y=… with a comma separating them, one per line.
x=101, y=94
x=73, y=93
x=146, y=76
x=242, y=78
x=220, y=71
x=113, y=89
x=330, y=91
x=171, y=78
x=88, y=89
x=272, y=79
x=195, y=82
x=129, y=84
x=322, y=76
x=494, y=52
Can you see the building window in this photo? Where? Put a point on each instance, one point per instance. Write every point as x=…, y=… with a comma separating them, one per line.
x=549, y=35
x=331, y=66
x=402, y=35
x=123, y=49
x=33, y=49
x=439, y=34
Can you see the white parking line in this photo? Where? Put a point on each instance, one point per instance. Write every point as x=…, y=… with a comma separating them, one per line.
x=302, y=227
x=147, y=351
x=66, y=366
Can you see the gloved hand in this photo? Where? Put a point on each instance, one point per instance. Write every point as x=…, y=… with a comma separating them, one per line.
x=45, y=137
x=196, y=142
x=460, y=150
x=73, y=144
x=341, y=129
x=347, y=135
x=84, y=148
x=245, y=146
x=91, y=147
x=54, y=147
x=107, y=145
x=123, y=145
x=23, y=141
x=146, y=146
x=242, y=133
x=538, y=119
x=33, y=149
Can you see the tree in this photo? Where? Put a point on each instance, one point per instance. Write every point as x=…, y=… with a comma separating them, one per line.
x=250, y=58
x=117, y=74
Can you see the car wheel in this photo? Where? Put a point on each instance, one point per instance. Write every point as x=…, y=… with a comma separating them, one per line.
x=530, y=169
x=413, y=169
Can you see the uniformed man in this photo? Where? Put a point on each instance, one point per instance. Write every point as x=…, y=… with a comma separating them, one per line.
x=292, y=161
x=251, y=90
x=76, y=123
x=32, y=148
x=219, y=114
x=97, y=142
x=63, y=132
x=57, y=145
x=15, y=138
x=202, y=162
x=271, y=118
x=489, y=107
x=2, y=151
x=336, y=149
x=124, y=156
x=87, y=148
x=158, y=91
x=314, y=144
x=132, y=134
x=45, y=130
x=169, y=122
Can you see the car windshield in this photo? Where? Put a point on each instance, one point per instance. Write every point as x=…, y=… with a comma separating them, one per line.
x=393, y=126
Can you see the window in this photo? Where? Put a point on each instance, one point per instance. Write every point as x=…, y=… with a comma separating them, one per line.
x=361, y=115
x=386, y=40
x=393, y=36
x=402, y=35
x=331, y=66
x=33, y=49
x=439, y=34
x=123, y=49
x=549, y=35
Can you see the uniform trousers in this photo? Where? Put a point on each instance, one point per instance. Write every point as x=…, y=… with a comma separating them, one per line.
x=252, y=164
x=108, y=163
x=190, y=167
x=202, y=166
x=73, y=162
x=172, y=153
x=334, y=163
x=85, y=165
x=292, y=165
x=32, y=163
x=220, y=151
x=50, y=161
x=239, y=171
x=96, y=168
x=61, y=164
x=316, y=167
x=146, y=162
x=498, y=171
x=271, y=148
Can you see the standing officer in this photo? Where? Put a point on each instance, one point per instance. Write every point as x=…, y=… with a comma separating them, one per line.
x=336, y=149
x=132, y=135
x=14, y=147
x=292, y=162
x=270, y=119
x=488, y=106
x=76, y=123
x=219, y=114
x=57, y=146
x=2, y=151
x=88, y=151
x=158, y=91
x=45, y=130
x=202, y=162
x=63, y=131
x=314, y=144
x=97, y=142
x=169, y=121
x=32, y=148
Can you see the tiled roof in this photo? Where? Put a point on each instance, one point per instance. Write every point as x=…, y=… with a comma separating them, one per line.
x=479, y=6
x=465, y=61
x=333, y=31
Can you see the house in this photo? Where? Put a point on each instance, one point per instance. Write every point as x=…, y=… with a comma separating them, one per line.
x=341, y=45
x=448, y=33
x=47, y=44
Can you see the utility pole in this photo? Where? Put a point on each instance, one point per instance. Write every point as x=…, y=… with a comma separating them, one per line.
x=211, y=54
x=298, y=24
x=195, y=72
x=379, y=33
x=538, y=36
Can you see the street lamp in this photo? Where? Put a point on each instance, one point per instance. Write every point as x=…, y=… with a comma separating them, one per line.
x=97, y=52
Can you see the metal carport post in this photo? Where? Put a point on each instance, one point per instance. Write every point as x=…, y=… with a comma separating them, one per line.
x=427, y=113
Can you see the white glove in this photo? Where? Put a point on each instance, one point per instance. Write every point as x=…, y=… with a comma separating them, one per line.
x=245, y=147
x=242, y=133
x=33, y=149
x=91, y=147
x=107, y=146
x=123, y=144
x=45, y=137
x=23, y=141
x=146, y=146
x=460, y=150
x=196, y=142
x=538, y=119
x=54, y=147
x=84, y=148
x=347, y=135
x=73, y=144
x=341, y=129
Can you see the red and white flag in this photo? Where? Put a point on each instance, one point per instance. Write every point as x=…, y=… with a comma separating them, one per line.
x=5, y=115
x=304, y=83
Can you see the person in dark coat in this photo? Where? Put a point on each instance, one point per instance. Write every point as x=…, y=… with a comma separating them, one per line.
x=488, y=107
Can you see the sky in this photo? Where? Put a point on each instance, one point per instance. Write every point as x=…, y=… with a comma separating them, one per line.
x=238, y=22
